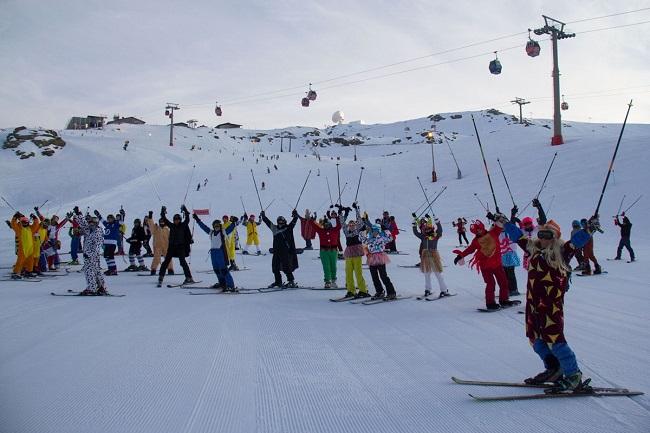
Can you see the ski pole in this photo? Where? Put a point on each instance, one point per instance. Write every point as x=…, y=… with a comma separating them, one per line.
x=620, y=206
x=8, y=204
x=434, y=200
x=611, y=164
x=303, y=188
x=548, y=210
x=242, y=204
x=479, y=200
x=632, y=205
x=257, y=191
x=269, y=205
x=188, y=184
x=487, y=172
x=358, y=185
x=425, y=194
x=329, y=191
x=546, y=177
x=338, y=180
x=153, y=185
x=44, y=203
x=506, y=180
x=342, y=191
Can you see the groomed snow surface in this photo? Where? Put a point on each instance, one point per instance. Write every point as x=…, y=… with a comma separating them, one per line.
x=160, y=360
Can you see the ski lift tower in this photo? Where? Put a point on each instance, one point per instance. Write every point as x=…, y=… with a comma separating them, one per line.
x=555, y=28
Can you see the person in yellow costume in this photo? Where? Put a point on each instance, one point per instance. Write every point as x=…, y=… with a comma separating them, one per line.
x=160, y=236
x=40, y=237
x=230, y=240
x=252, y=235
x=24, y=231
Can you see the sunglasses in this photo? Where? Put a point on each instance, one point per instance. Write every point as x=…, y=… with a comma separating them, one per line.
x=545, y=234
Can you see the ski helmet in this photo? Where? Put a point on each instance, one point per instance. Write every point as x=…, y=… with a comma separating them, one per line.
x=477, y=227
x=527, y=222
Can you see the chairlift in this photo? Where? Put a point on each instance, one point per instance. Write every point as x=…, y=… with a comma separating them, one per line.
x=217, y=110
x=311, y=95
x=532, y=46
x=305, y=102
x=564, y=105
x=167, y=113
x=495, y=65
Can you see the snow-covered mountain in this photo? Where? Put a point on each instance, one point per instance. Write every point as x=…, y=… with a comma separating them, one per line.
x=159, y=360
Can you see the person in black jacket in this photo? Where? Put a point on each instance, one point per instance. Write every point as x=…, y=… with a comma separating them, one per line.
x=137, y=238
x=180, y=239
x=285, y=258
x=626, y=229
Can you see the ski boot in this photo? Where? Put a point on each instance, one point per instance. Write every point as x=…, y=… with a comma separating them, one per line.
x=274, y=285
x=143, y=268
x=15, y=276
x=598, y=270
x=546, y=376
x=245, y=252
x=391, y=296
x=258, y=253
x=350, y=295
x=617, y=258
x=443, y=294
x=508, y=303
x=291, y=285
x=362, y=295
x=73, y=262
x=111, y=272
x=218, y=286
x=378, y=295
x=427, y=293
x=571, y=383
x=493, y=306
x=189, y=280
x=87, y=292
x=152, y=272
x=333, y=285
x=101, y=292
x=327, y=285
x=131, y=268
x=170, y=272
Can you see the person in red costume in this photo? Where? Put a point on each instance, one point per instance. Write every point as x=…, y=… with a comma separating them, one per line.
x=487, y=259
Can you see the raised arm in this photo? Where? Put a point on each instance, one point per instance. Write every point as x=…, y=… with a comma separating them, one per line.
x=202, y=225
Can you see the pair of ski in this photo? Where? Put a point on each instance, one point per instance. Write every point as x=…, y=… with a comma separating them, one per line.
x=79, y=295
x=591, y=275
x=435, y=298
x=24, y=280
x=587, y=392
x=183, y=284
x=369, y=301
x=501, y=307
x=620, y=260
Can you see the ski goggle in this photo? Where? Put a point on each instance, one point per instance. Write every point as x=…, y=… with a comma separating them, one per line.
x=545, y=234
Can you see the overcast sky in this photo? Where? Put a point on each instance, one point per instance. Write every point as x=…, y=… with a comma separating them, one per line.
x=79, y=57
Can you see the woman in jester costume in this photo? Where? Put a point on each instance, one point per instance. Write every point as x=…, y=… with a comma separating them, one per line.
x=548, y=281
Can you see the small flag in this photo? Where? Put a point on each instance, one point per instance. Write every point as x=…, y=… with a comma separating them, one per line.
x=201, y=211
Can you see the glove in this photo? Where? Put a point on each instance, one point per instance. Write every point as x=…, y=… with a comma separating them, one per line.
x=262, y=214
x=514, y=210
x=246, y=216
x=195, y=216
x=96, y=212
x=76, y=210
x=536, y=203
x=354, y=205
x=36, y=209
x=150, y=214
x=163, y=210
x=490, y=216
x=427, y=216
x=458, y=259
x=414, y=215
x=294, y=213
x=32, y=216
x=68, y=215
x=184, y=209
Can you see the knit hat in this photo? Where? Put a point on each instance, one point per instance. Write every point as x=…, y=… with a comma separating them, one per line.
x=476, y=227
x=554, y=227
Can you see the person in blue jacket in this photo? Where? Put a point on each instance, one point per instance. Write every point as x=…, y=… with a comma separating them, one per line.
x=111, y=236
x=219, y=253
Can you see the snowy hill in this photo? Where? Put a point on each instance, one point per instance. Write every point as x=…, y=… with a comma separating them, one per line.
x=159, y=360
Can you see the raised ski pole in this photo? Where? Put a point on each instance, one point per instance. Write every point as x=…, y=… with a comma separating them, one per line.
x=342, y=191
x=329, y=191
x=459, y=175
x=434, y=200
x=257, y=191
x=425, y=195
x=633, y=203
x=358, y=185
x=44, y=203
x=303, y=188
x=487, y=172
x=620, y=206
x=546, y=177
x=8, y=204
x=242, y=205
x=338, y=180
x=506, y=180
x=611, y=164
x=153, y=185
x=269, y=205
x=187, y=190
x=479, y=200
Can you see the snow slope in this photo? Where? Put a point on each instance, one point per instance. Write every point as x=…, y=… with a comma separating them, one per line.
x=159, y=360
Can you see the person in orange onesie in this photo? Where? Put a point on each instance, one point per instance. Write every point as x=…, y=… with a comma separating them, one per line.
x=24, y=231
x=487, y=260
